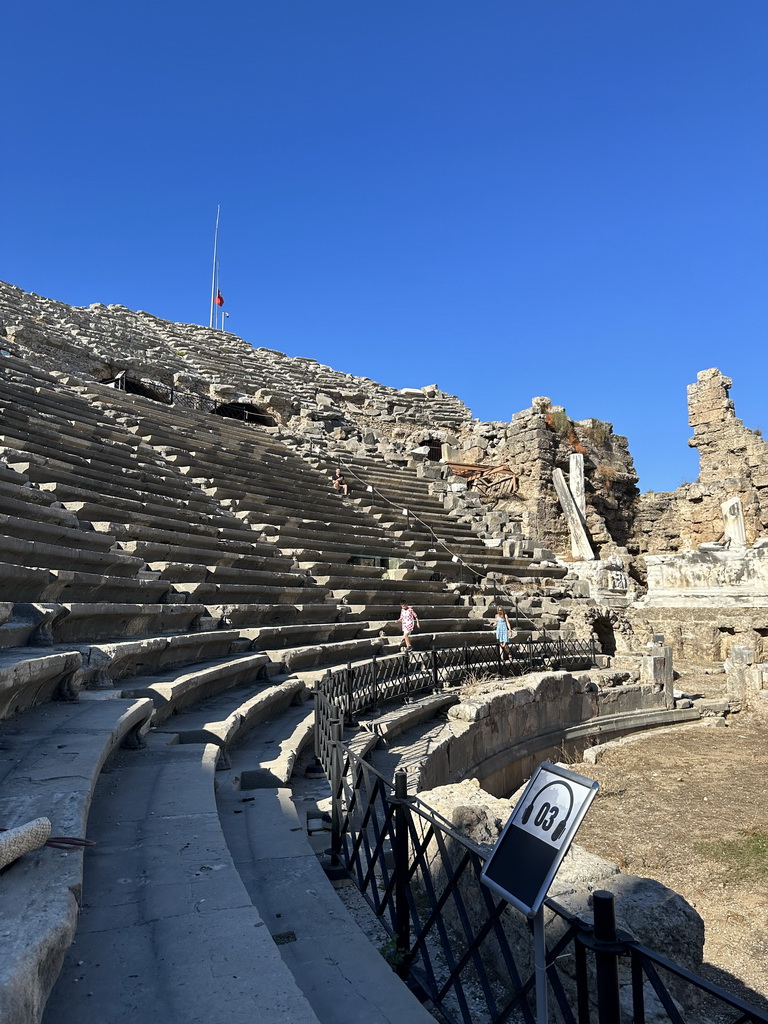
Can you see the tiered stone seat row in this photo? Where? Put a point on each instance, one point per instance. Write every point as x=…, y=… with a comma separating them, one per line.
x=218, y=571
x=261, y=482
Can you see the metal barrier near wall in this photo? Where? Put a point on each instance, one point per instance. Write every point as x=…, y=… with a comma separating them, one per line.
x=357, y=687
x=470, y=953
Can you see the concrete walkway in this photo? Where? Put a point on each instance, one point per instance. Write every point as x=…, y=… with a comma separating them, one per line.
x=167, y=931
x=342, y=975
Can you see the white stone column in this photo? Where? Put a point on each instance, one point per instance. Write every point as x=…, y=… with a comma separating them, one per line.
x=733, y=522
x=580, y=546
x=576, y=482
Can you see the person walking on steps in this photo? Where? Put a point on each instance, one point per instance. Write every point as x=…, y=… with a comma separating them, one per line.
x=502, y=633
x=409, y=621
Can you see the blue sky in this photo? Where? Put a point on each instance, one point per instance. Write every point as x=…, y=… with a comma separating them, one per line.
x=507, y=199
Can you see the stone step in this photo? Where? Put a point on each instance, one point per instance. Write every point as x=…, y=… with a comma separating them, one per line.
x=173, y=934
x=311, y=657
x=80, y=622
x=348, y=586
x=193, y=572
x=268, y=756
x=42, y=555
x=65, y=586
x=277, y=865
x=55, y=533
x=106, y=663
x=176, y=689
x=30, y=676
x=201, y=536
x=89, y=586
x=186, y=549
x=108, y=479
x=51, y=758
x=244, y=616
x=28, y=503
x=274, y=637
x=225, y=719
x=91, y=505
x=209, y=592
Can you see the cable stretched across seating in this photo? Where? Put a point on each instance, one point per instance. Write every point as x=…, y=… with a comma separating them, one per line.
x=409, y=515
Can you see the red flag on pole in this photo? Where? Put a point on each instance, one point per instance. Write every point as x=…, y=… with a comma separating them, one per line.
x=219, y=300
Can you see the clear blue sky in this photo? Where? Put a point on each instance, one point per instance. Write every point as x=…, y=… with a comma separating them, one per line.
x=508, y=199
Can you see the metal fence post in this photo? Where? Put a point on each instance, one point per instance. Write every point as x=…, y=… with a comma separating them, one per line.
x=606, y=960
x=337, y=734
x=318, y=726
x=374, y=680
x=402, y=913
x=530, y=653
x=349, y=685
x=435, y=676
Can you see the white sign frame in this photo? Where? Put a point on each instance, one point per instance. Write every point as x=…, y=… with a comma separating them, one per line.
x=537, y=836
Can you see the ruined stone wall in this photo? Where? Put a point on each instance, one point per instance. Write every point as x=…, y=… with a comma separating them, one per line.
x=537, y=441
x=733, y=463
x=700, y=634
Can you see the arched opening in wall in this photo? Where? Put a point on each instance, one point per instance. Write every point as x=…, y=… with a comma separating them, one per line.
x=435, y=447
x=761, y=647
x=152, y=389
x=603, y=630
x=246, y=414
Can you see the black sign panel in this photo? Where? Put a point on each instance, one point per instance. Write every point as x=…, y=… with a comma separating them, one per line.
x=537, y=836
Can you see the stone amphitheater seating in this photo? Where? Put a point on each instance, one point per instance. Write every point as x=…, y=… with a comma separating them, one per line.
x=168, y=570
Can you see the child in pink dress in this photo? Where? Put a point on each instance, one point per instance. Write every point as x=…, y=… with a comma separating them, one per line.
x=409, y=621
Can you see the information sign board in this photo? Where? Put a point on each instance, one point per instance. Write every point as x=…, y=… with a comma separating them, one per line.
x=533, y=843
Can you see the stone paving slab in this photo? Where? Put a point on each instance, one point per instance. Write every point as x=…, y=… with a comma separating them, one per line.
x=172, y=936
x=50, y=758
x=342, y=975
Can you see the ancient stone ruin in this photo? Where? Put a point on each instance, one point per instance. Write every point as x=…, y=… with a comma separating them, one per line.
x=177, y=573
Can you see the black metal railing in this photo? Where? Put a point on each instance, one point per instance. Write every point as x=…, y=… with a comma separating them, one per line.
x=470, y=953
x=357, y=687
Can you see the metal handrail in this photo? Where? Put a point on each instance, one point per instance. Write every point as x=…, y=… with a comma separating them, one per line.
x=452, y=936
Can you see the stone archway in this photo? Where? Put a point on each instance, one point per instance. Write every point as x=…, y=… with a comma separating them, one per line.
x=245, y=413
x=154, y=390
x=435, y=446
x=602, y=627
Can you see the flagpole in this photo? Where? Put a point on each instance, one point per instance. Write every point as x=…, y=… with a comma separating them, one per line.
x=217, y=311
x=213, y=275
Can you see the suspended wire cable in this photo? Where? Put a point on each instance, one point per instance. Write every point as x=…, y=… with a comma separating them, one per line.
x=479, y=573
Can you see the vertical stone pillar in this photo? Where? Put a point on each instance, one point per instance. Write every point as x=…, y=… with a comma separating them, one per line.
x=733, y=522
x=656, y=669
x=580, y=545
x=576, y=482
x=746, y=681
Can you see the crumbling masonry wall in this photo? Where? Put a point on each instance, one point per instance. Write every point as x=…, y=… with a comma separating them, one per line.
x=733, y=463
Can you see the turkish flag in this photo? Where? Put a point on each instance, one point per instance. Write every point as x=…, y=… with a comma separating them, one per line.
x=219, y=300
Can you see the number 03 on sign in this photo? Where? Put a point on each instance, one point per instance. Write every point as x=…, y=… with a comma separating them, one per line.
x=537, y=836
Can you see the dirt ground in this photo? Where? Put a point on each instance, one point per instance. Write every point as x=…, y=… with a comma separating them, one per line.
x=689, y=807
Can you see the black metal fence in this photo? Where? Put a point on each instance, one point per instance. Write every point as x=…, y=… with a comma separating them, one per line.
x=357, y=687
x=470, y=953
